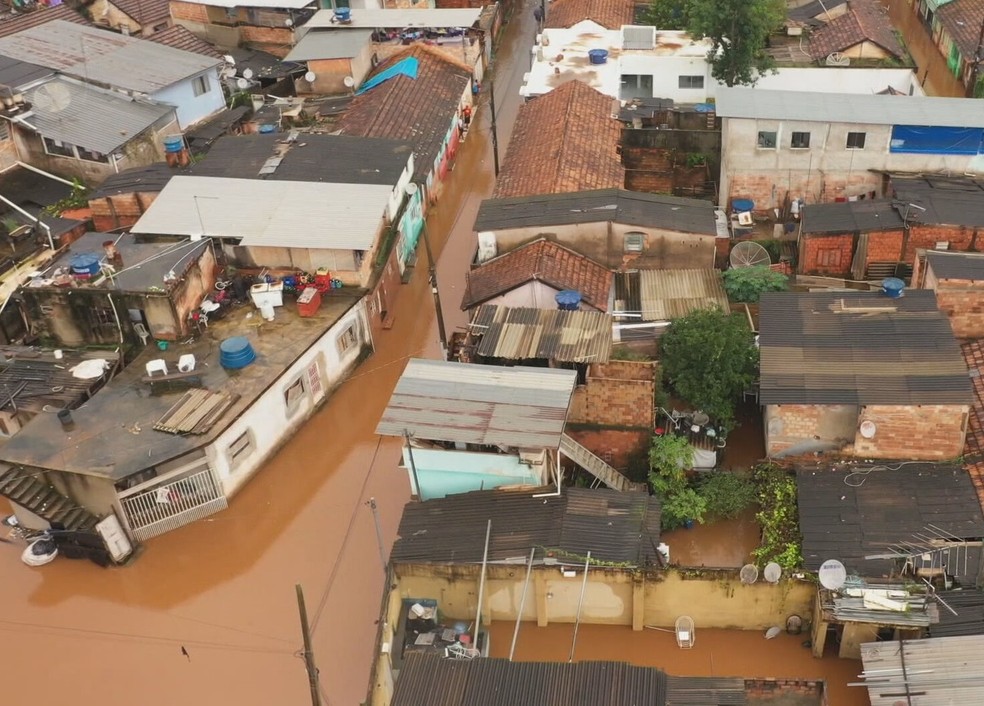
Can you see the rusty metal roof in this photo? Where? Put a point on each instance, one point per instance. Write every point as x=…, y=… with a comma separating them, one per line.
x=615, y=526
x=670, y=294
x=480, y=404
x=542, y=334
x=941, y=670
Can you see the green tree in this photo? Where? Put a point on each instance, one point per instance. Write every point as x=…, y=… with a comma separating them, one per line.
x=727, y=494
x=688, y=504
x=746, y=284
x=709, y=358
x=670, y=457
x=739, y=30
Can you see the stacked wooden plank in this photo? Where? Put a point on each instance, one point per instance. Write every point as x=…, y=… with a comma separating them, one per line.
x=196, y=412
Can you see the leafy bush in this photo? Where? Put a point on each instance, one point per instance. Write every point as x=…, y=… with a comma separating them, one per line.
x=778, y=518
x=680, y=507
x=727, y=494
x=670, y=457
x=746, y=284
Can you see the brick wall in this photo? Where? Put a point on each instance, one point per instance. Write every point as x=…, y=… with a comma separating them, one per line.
x=963, y=302
x=193, y=12
x=927, y=236
x=884, y=246
x=919, y=432
x=826, y=254
x=618, y=393
x=119, y=210
x=273, y=40
x=621, y=449
x=648, y=169
x=769, y=189
x=766, y=690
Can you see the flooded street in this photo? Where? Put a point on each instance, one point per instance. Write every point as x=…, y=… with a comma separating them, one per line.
x=208, y=614
x=716, y=544
x=933, y=73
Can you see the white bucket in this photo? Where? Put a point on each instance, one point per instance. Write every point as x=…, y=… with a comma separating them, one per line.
x=58, y=354
x=267, y=311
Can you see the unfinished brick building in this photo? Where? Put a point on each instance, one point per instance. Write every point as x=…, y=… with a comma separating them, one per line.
x=958, y=282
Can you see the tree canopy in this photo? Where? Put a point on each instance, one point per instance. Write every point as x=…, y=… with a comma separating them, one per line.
x=739, y=30
x=709, y=358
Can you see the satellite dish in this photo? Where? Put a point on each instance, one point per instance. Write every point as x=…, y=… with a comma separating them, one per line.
x=289, y=22
x=749, y=254
x=248, y=73
x=868, y=429
x=52, y=97
x=310, y=76
x=229, y=60
x=242, y=84
x=772, y=572
x=348, y=81
x=832, y=574
x=749, y=574
x=410, y=188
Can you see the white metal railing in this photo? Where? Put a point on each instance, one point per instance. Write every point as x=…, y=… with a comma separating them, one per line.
x=173, y=503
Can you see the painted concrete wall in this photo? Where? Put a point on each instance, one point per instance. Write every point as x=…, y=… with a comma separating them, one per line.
x=822, y=79
x=189, y=107
x=444, y=472
x=666, y=72
x=322, y=367
x=330, y=74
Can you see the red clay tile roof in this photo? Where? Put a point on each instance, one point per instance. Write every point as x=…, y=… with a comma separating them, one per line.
x=562, y=141
x=540, y=261
x=145, y=11
x=611, y=14
x=962, y=21
x=43, y=15
x=865, y=20
x=418, y=111
x=181, y=38
x=973, y=352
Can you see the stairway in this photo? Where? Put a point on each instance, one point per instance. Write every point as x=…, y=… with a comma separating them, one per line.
x=32, y=493
x=595, y=466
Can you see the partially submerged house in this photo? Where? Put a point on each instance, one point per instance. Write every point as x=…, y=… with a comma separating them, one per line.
x=562, y=142
x=956, y=33
x=615, y=228
x=138, y=68
x=534, y=274
x=417, y=96
x=473, y=427
x=957, y=279
x=159, y=450
x=861, y=374
x=863, y=31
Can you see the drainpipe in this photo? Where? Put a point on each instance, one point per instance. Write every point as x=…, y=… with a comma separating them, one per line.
x=51, y=242
x=44, y=173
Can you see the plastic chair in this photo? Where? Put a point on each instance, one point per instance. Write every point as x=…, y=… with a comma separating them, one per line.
x=186, y=363
x=684, y=629
x=158, y=365
x=142, y=331
x=459, y=651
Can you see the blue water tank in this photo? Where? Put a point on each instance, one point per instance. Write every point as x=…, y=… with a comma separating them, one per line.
x=598, y=56
x=568, y=300
x=85, y=265
x=173, y=143
x=343, y=14
x=742, y=205
x=236, y=353
x=892, y=287
x=267, y=128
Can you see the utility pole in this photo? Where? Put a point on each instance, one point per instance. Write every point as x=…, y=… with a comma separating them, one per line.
x=976, y=68
x=312, y=670
x=413, y=466
x=495, y=134
x=432, y=275
x=379, y=532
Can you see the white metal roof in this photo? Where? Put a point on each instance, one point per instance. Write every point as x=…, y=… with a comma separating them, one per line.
x=755, y=104
x=289, y=214
x=452, y=17
x=269, y=4
x=480, y=404
x=330, y=44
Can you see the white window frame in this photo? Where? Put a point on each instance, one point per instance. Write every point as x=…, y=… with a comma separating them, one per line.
x=634, y=241
x=690, y=79
x=241, y=448
x=294, y=395
x=200, y=85
x=342, y=344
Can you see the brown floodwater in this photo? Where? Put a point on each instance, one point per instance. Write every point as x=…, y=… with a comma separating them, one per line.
x=223, y=588
x=722, y=653
x=718, y=544
x=932, y=71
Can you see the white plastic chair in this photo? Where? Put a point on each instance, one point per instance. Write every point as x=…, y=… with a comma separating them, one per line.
x=684, y=629
x=142, y=331
x=186, y=363
x=459, y=651
x=158, y=365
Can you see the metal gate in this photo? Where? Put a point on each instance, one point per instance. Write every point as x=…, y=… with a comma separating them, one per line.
x=160, y=506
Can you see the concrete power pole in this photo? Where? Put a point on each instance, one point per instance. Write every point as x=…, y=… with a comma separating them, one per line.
x=312, y=670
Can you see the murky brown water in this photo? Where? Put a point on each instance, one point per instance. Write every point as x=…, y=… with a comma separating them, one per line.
x=718, y=544
x=224, y=588
x=723, y=653
x=933, y=73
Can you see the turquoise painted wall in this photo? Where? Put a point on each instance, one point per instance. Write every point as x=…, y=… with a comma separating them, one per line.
x=448, y=472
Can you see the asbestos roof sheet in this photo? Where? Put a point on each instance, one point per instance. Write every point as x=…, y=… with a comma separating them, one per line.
x=542, y=334
x=104, y=57
x=969, y=620
x=859, y=109
x=66, y=113
x=944, y=200
x=398, y=17
x=287, y=214
x=17, y=74
x=850, y=217
x=330, y=44
x=149, y=179
x=480, y=404
x=632, y=208
x=615, y=526
x=851, y=513
x=858, y=348
x=947, y=265
x=941, y=670
x=670, y=294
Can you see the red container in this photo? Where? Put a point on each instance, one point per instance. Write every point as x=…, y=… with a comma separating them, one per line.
x=309, y=302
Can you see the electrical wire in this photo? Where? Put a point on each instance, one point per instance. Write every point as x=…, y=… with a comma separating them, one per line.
x=864, y=472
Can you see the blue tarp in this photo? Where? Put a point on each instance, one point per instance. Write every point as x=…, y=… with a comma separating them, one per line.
x=407, y=67
x=936, y=140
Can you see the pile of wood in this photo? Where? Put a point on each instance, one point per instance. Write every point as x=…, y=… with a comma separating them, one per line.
x=196, y=412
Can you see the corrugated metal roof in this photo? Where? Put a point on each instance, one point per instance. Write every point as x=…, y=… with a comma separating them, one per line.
x=969, y=620
x=89, y=117
x=858, y=348
x=330, y=44
x=268, y=4
x=398, y=18
x=860, y=109
x=845, y=519
x=17, y=74
x=670, y=294
x=105, y=57
x=287, y=214
x=480, y=404
x=941, y=670
x=542, y=334
x=615, y=526
x=954, y=265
